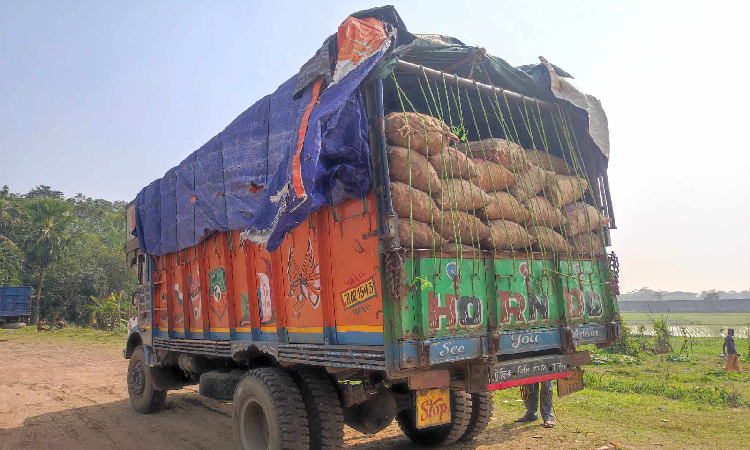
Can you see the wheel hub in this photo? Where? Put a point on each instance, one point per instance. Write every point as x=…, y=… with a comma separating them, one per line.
x=254, y=432
x=137, y=380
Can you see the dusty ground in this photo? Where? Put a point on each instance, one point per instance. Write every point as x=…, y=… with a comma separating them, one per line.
x=68, y=395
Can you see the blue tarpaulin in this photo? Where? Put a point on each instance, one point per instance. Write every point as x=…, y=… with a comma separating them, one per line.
x=242, y=178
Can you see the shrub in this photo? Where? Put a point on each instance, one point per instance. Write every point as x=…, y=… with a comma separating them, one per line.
x=626, y=345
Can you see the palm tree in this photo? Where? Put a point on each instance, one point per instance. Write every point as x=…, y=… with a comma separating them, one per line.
x=47, y=239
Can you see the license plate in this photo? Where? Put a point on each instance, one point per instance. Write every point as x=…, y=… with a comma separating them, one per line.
x=574, y=383
x=433, y=407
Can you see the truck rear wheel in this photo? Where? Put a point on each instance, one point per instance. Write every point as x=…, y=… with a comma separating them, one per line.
x=482, y=407
x=324, y=412
x=143, y=397
x=269, y=413
x=441, y=434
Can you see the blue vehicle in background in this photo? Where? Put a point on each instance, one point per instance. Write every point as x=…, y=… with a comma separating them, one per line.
x=15, y=306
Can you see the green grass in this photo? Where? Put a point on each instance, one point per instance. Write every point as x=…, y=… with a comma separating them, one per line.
x=692, y=404
x=69, y=335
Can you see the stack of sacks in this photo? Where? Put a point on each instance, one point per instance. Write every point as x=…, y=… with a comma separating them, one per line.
x=587, y=243
x=411, y=137
x=583, y=219
x=565, y=189
x=547, y=161
x=417, y=131
x=506, y=153
x=458, y=199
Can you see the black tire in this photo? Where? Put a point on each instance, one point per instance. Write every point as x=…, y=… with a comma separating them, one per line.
x=268, y=412
x=482, y=408
x=441, y=434
x=143, y=397
x=324, y=412
x=219, y=385
x=13, y=326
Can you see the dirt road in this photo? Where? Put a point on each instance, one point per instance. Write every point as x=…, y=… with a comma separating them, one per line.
x=55, y=395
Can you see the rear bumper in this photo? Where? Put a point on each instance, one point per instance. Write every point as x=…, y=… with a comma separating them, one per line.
x=533, y=370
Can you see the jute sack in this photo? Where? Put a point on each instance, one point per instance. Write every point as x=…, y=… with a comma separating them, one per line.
x=507, y=235
x=502, y=205
x=506, y=153
x=529, y=183
x=543, y=213
x=457, y=224
x=455, y=247
x=460, y=194
x=424, y=236
x=549, y=240
x=423, y=176
x=582, y=217
x=565, y=189
x=587, y=243
x=491, y=176
x=546, y=161
x=423, y=207
x=420, y=131
x=451, y=163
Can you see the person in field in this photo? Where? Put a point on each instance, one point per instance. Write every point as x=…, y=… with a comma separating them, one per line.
x=532, y=400
x=729, y=349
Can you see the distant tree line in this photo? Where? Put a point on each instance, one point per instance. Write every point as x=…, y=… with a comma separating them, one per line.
x=648, y=294
x=70, y=250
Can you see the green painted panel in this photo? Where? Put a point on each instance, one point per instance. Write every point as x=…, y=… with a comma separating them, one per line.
x=447, y=311
x=527, y=294
x=496, y=294
x=586, y=293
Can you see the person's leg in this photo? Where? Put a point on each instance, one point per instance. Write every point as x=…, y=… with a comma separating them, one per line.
x=532, y=403
x=546, y=402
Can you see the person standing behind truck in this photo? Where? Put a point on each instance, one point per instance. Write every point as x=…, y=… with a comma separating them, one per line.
x=729, y=349
x=532, y=400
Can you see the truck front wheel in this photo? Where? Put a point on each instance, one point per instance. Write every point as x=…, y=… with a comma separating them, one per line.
x=441, y=434
x=269, y=413
x=144, y=398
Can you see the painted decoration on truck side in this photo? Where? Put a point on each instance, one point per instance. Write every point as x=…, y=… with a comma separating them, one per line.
x=163, y=304
x=525, y=298
x=451, y=269
x=179, y=315
x=361, y=290
x=305, y=280
x=195, y=295
x=265, y=302
x=578, y=301
x=245, y=319
x=538, y=305
x=454, y=349
x=217, y=290
x=512, y=305
x=529, y=340
x=468, y=312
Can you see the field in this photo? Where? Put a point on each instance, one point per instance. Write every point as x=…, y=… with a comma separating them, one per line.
x=696, y=324
x=66, y=390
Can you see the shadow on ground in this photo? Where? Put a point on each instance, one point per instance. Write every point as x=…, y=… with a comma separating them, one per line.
x=188, y=421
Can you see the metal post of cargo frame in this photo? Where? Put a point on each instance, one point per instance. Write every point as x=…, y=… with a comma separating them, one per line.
x=436, y=75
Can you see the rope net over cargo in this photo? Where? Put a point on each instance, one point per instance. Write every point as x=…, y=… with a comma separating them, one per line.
x=473, y=171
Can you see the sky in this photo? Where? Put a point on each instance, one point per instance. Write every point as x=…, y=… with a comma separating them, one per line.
x=102, y=97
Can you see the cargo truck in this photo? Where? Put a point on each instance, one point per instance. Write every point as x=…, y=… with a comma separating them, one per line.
x=15, y=306
x=276, y=272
